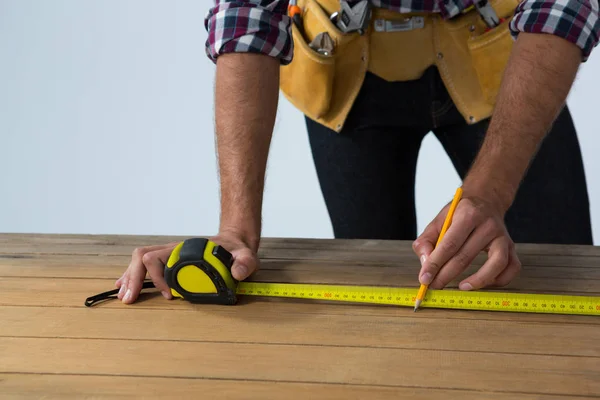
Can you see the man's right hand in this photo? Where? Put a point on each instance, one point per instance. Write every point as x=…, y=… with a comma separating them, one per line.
x=151, y=261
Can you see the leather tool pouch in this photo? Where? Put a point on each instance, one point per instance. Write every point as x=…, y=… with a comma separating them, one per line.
x=472, y=61
x=324, y=87
x=489, y=54
x=308, y=80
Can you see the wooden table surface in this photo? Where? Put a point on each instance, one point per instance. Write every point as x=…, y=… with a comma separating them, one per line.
x=52, y=346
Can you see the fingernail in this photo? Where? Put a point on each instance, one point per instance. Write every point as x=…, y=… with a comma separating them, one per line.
x=165, y=294
x=426, y=278
x=242, y=270
x=121, y=289
x=465, y=286
x=127, y=295
x=423, y=258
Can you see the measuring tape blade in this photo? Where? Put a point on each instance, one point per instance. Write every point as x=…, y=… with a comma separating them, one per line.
x=454, y=299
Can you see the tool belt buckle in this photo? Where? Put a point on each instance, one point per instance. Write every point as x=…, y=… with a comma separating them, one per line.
x=407, y=24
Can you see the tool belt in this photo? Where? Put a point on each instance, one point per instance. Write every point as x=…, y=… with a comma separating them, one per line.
x=396, y=47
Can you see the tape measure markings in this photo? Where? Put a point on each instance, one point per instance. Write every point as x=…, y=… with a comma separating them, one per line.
x=453, y=299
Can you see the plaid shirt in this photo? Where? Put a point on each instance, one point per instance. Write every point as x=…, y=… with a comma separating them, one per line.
x=262, y=26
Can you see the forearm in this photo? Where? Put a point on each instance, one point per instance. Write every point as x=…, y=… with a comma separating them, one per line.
x=537, y=80
x=246, y=104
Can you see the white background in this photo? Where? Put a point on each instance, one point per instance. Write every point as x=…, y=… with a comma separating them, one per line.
x=106, y=121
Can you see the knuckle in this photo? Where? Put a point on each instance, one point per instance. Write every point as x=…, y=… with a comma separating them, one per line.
x=470, y=214
x=502, y=281
x=478, y=282
x=147, y=258
x=489, y=226
x=138, y=252
x=159, y=282
x=515, y=270
x=462, y=259
x=415, y=245
x=503, y=259
x=449, y=245
x=512, y=249
x=437, y=285
x=518, y=266
x=432, y=266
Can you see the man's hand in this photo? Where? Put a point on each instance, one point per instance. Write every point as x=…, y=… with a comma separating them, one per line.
x=477, y=225
x=246, y=95
x=537, y=79
x=151, y=261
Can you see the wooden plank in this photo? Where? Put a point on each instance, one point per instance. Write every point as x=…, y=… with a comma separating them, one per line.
x=515, y=373
x=73, y=292
x=535, y=280
x=65, y=387
x=402, y=258
x=129, y=241
x=289, y=249
x=262, y=325
x=109, y=267
x=301, y=347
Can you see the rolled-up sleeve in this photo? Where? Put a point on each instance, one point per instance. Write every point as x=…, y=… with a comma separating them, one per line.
x=250, y=26
x=574, y=20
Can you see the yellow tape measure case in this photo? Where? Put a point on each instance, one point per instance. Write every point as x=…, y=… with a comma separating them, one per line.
x=199, y=271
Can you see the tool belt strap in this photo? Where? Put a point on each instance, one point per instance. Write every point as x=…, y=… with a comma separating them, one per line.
x=396, y=47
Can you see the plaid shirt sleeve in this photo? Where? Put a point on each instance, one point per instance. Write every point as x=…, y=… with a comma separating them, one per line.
x=574, y=20
x=251, y=26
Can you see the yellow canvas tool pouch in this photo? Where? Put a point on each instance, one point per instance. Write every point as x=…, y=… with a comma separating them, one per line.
x=401, y=45
x=324, y=87
x=489, y=55
x=308, y=81
x=472, y=61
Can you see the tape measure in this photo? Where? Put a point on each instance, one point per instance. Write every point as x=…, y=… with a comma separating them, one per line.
x=199, y=271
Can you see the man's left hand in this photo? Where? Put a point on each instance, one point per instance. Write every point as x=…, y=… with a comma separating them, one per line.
x=477, y=225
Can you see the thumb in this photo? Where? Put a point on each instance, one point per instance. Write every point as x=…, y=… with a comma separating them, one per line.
x=244, y=264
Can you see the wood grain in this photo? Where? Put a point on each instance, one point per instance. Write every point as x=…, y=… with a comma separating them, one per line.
x=285, y=249
x=72, y=293
x=65, y=387
x=582, y=280
x=93, y=266
x=51, y=346
x=128, y=242
x=262, y=326
x=514, y=373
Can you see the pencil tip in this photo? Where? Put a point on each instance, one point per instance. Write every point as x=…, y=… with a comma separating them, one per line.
x=417, y=304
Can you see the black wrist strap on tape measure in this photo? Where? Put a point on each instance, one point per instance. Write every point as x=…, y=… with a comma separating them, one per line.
x=111, y=294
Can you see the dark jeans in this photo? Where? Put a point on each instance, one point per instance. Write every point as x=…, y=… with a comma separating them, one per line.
x=367, y=172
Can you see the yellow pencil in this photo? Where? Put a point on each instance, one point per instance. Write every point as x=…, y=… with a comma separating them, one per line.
x=457, y=196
